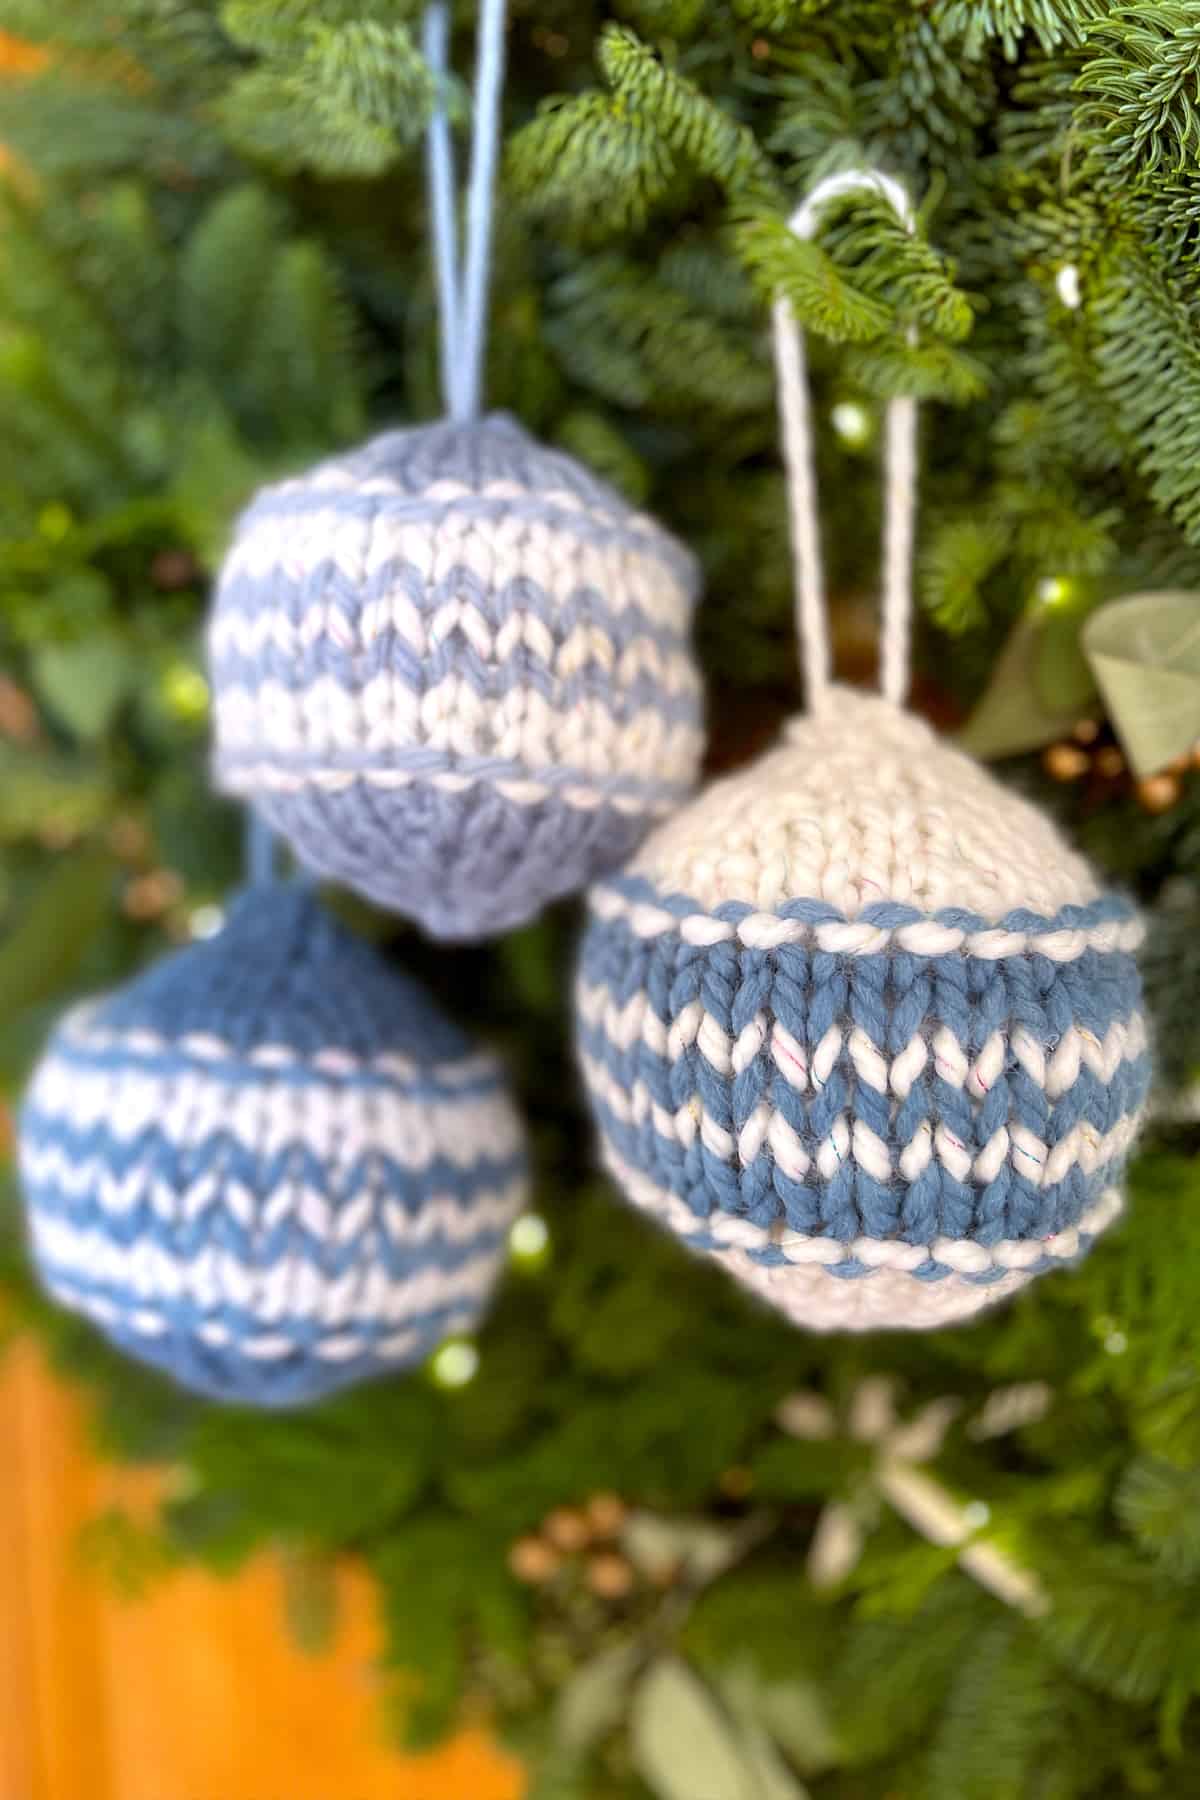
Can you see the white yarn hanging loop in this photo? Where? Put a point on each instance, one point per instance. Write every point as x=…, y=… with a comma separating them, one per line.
x=900, y=475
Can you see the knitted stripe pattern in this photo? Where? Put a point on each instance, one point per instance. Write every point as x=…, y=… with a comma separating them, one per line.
x=270, y=1167
x=455, y=670
x=882, y=1112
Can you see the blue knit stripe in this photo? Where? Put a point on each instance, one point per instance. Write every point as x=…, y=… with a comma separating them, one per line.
x=371, y=1166
x=185, y=1315
x=889, y=915
x=353, y=669
x=171, y=1060
x=609, y=532
x=226, y=1375
x=371, y=1170
x=342, y=595
x=888, y=993
x=887, y=999
x=216, y=1230
x=1008, y=1209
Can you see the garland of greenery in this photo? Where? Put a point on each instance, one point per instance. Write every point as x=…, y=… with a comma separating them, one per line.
x=652, y=1524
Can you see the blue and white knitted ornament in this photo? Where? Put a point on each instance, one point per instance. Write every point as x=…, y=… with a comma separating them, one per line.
x=454, y=668
x=270, y=1166
x=857, y=1022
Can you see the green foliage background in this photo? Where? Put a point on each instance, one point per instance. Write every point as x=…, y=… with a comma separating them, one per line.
x=213, y=266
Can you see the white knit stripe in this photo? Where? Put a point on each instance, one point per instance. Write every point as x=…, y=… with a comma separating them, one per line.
x=963, y=1256
x=79, y=1031
x=291, y=1289
x=339, y=1123
x=553, y=553
x=853, y=937
x=850, y=1140
x=440, y=1218
x=521, y=726
x=268, y=777
x=335, y=1347
x=397, y=619
x=1077, y=1049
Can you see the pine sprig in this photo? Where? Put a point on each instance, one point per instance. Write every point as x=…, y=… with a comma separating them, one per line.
x=702, y=135
x=1140, y=87
x=984, y=22
x=1148, y=366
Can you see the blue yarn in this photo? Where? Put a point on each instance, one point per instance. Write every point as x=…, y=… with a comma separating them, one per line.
x=891, y=996
x=439, y=167
x=485, y=140
x=463, y=298
x=270, y=1166
x=572, y=607
x=260, y=851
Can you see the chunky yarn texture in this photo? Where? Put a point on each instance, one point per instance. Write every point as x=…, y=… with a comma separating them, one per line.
x=270, y=1166
x=859, y=1024
x=454, y=670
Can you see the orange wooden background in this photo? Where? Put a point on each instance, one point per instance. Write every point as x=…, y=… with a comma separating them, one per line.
x=193, y=1692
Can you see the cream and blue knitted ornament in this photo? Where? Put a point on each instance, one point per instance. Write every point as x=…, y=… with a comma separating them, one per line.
x=453, y=668
x=858, y=1023
x=270, y=1166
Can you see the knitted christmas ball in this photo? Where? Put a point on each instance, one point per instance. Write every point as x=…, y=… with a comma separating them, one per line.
x=859, y=1025
x=453, y=668
x=270, y=1166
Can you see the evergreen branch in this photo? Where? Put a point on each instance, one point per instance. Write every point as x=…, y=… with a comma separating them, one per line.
x=874, y=249
x=1141, y=85
x=623, y=332
x=957, y=561
x=781, y=264
x=67, y=124
x=273, y=26
x=700, y=133
x=928, y=371
x=1160, y=1504
x=817, y=110
x=343, y=100
x=984, y=22
x=224, y=270
x=590, y=164
x=1148, y=366
x=925, y=107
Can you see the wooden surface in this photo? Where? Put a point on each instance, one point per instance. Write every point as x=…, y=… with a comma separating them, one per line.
x=193, y=1692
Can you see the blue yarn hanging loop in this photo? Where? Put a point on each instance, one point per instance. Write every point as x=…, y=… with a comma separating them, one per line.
x=462, y=281
x=259, y=852
x=451, y=667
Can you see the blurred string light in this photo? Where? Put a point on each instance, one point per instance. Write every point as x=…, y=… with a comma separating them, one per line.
x=454, y=1363
x=1066, y=284
x=852, y=423
x=185, y=691
x=205, y=921
x=529, y=1241
x=1055, y=591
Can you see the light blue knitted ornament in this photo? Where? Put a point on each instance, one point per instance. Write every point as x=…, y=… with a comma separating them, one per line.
x=857, y=1022
x=269, y=1166
x=453, y=668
